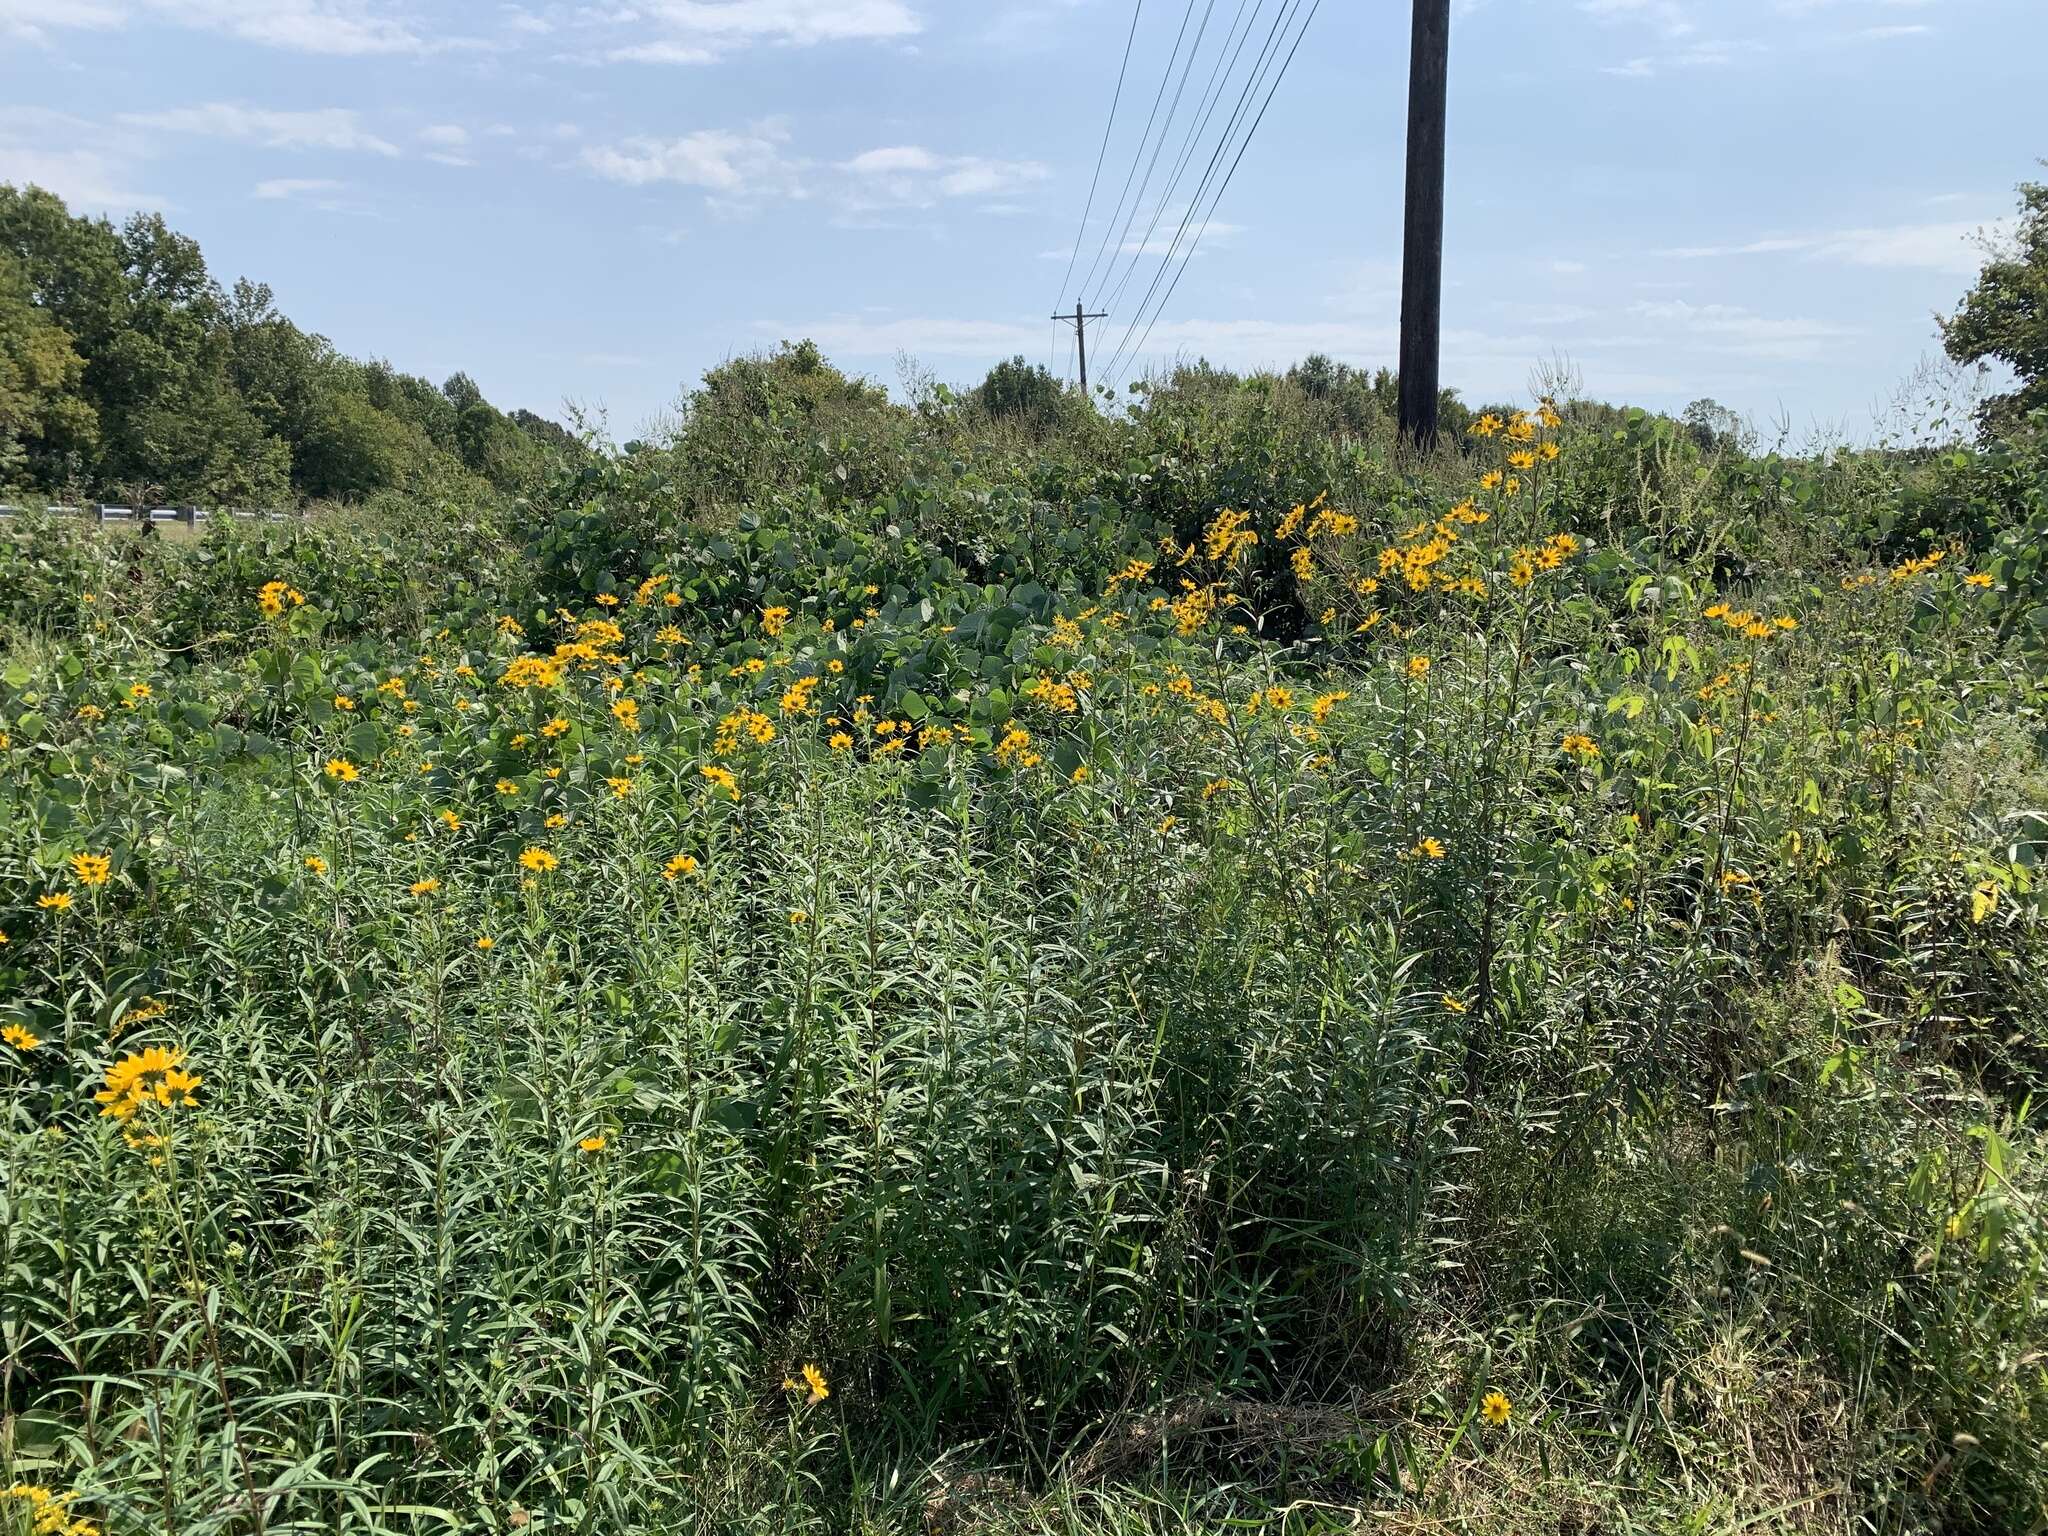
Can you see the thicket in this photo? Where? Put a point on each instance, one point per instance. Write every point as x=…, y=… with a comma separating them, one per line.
x=887, y=968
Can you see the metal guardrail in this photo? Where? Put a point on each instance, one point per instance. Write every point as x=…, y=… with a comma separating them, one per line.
x=190, y=516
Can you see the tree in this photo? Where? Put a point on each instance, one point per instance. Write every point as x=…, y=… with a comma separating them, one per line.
x=2005, y=317
x=1714, y=427
x=462, y=392
x=1021, y=391
x=545, y=431
x=47, y=431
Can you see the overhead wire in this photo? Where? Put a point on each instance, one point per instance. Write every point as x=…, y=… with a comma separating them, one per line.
x=1124, y=359
x=1247, y=94
x=1143, y=139
x=1226, y=62
x=1165, y=129
x=1101, y=155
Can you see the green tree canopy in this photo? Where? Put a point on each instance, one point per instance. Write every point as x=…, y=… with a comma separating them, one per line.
x=1022, y=391
x=127, y=371
x=2005, y=317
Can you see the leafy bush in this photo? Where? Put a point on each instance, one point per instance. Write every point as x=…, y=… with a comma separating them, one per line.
x=1507, y=984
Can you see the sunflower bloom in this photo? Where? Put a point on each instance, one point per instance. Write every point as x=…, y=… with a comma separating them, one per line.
x=155, y=1076
x=811, y=1383
x=91, y=868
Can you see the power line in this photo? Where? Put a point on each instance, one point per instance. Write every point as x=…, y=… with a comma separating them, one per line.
x=1213, y=93
x=1186, y=73
x=1196, y=129
x=1143, y=139
x=1267, y=52
x=1101, y=154
x=1278, y=80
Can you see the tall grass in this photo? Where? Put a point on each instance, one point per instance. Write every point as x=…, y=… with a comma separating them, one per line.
x=1569, y=990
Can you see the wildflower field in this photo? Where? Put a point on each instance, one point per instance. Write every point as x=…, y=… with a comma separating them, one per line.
x=877, y=975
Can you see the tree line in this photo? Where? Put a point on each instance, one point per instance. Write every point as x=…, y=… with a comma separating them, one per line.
x=129, y=373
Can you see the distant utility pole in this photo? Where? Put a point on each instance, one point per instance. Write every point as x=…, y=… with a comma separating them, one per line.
x=1079, y=321
x=1422, y=262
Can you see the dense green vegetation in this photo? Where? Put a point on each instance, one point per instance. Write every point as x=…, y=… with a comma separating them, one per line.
x=979, y=965
x=127, y=372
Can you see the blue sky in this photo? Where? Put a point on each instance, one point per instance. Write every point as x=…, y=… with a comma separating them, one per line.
x=1760, y=200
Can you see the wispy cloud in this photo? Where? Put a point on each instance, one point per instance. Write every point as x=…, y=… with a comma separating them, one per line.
x=738, y=169
x=1956, y=247
x=1732, y=329
x=320, y=128
x=911, y=176
x=282, y=188
x=1668, y=16
x=701, y=31
x=345, y=27
x=34, y=20
x=736, y=165
x=90, y=164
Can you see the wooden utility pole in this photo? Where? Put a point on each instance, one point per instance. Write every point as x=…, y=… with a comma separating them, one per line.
x=1422, y=261
x=1079, y=320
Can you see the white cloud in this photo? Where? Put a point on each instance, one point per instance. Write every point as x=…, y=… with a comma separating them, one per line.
x=449, y=140
x=282, y=188
x=1667, y=16
x=318, y=128
x=89, y=164
x=1943, y=247
x=883, y=162
x=33, y=20
x=1732, y=329
x=661, y=51
x=690, y=32
x=740, y=165
x=911, y=176
x=305, y=26
x=785, y=21
x=1163, y=242
x=741, y=168
x=701, y=31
